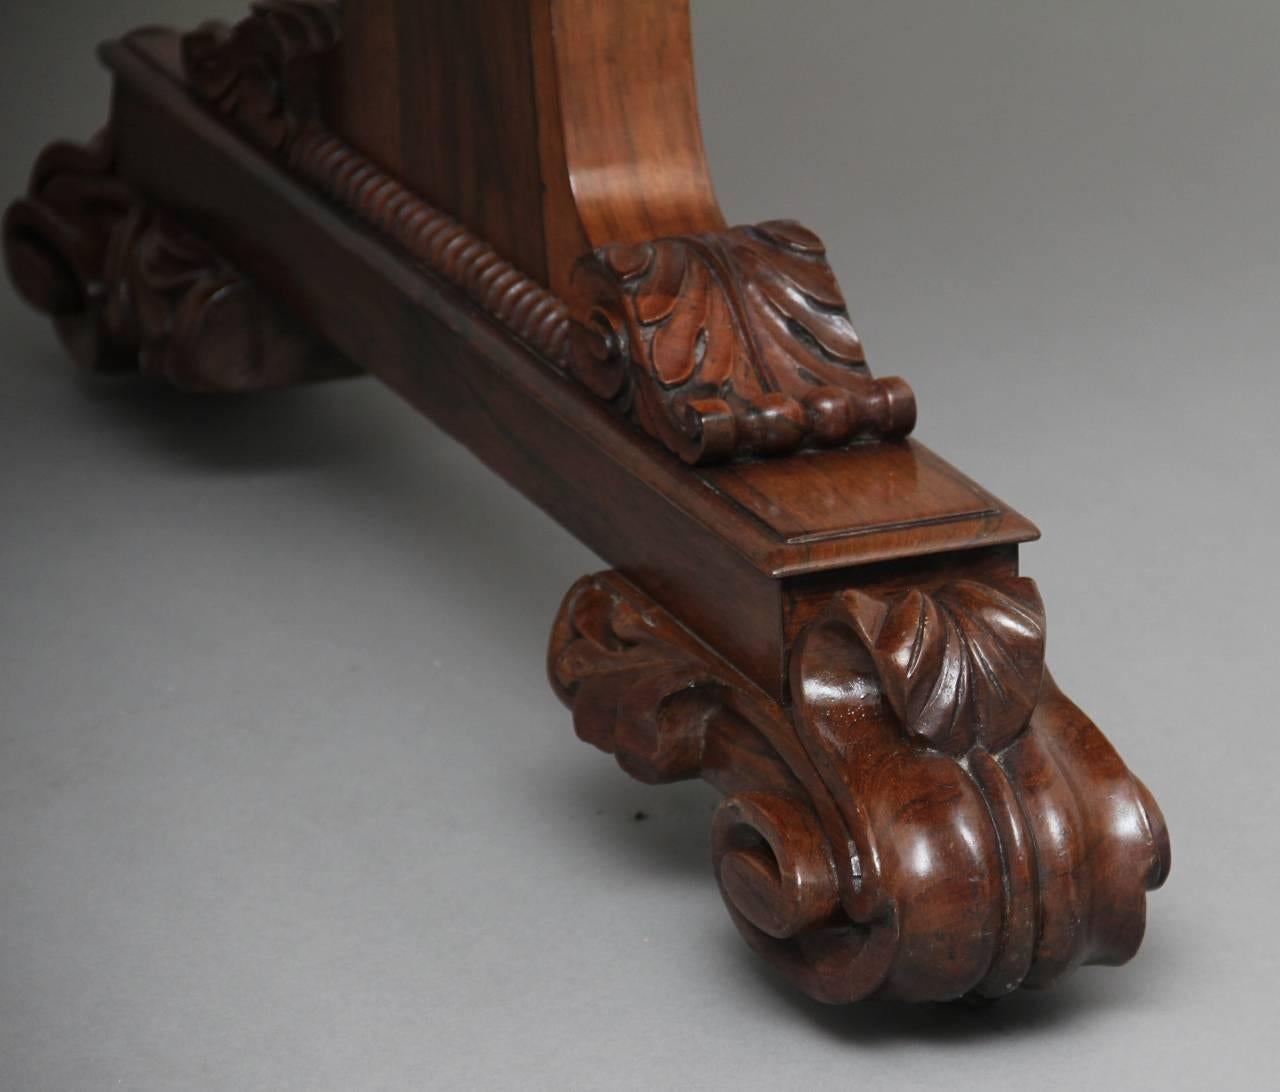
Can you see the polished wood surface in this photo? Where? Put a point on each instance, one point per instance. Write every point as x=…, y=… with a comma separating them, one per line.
x=730, y=345
x=930, y=819
x=681, y=537
x=809, y=609
x=628, y=150
x=865, y=490
x=442, y=97
x=506, y=114
x=722, y=345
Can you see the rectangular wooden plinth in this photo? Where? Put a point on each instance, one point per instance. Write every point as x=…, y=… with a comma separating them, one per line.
x=733, y=551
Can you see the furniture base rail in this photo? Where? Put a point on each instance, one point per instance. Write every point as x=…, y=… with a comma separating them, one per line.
x=807, y=608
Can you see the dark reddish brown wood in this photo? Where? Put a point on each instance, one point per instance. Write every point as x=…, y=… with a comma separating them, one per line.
x=929, y=818
x=721, y=345
x=709, y=551
x=364, y=102
x=505, y=118
x=264, y=76
x=130, y=288
x=729, y=345
x=623, y=160
x=468, y=122
x=836, y=635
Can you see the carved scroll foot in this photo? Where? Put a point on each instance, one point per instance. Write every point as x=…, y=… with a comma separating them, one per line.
x=130, y=289
x=911, y=808
x=929, y=819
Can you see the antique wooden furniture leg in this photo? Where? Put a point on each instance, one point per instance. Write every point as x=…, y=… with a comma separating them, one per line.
x=502, y=210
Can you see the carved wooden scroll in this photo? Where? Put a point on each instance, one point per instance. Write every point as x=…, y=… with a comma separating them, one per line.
x=929, y=819
x=264, y=73
x=731, y=345
x=131, y=289
x=718, y=346
x=502, y=209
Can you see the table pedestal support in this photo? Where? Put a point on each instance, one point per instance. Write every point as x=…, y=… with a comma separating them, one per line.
x=502, y=210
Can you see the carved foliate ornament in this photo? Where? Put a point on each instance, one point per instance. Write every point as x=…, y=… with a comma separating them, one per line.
x=130, y=289
x=928, y=818
x=264, y=72
x=264, y=76
x=730, y=345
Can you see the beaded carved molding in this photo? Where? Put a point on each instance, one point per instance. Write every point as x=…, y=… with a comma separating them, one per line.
x=717, y=346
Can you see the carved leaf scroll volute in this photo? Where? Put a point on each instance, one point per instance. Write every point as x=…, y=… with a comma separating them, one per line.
x=730, y=345
x=961, y=666
x=928, y=818
x=130, y=288
x=638, y=686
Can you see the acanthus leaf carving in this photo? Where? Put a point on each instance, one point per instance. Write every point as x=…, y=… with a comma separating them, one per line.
x=264, y=76
x=961, y=665
x=903, y=828
x=730, y=345
x=629, y=673
x=264, y=72
x=130, y=289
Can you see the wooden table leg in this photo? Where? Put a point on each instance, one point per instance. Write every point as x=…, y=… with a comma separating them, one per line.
x=502, y=210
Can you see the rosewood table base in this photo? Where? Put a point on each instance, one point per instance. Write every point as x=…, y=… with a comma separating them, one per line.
x=485, y=208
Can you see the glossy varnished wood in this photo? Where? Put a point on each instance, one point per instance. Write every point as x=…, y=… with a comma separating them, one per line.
x=721, y=344
x=624, y=159
x=870, y=492
x=683, y=538
x=365, y=105
x=503, y=211
x=729, y=345
x=508, y=115
x=928, y=818
x=456, y=121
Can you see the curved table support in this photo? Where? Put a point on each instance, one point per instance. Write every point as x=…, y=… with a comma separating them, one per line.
x=502, y=210
x=928, y=818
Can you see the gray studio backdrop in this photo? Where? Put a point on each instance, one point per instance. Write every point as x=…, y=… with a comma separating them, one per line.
x=285, y=802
